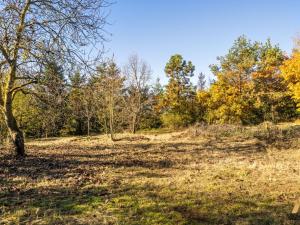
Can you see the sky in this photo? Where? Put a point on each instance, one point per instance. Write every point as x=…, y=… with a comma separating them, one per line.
x=199, y=30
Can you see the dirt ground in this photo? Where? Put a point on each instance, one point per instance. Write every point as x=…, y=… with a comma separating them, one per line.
x=152, y=178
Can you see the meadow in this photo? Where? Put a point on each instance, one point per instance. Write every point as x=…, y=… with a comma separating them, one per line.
x=201, y=175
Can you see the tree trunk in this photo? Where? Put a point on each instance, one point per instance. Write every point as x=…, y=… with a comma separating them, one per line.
x=15, y=133
x=105, y=125
x=112, y=136
x=273, y=113
x=296, y=207
x=133, y=128
x=111, y=123
x=88, y=126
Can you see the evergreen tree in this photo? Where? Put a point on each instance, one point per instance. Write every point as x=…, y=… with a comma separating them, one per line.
x=230, y=93
x=75, y=122
x=272, y=98
x=201, y=82
x=179, y=96
x=52, y=99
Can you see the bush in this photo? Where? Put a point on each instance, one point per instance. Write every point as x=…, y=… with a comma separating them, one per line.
x=269, y=132
x=175, y=120
x=217, y=130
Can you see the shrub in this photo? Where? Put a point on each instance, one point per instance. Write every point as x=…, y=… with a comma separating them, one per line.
x=217, y=130
x=268, y=132
x=175, y=120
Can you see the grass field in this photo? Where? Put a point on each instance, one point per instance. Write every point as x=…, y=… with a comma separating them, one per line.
x=238, y=176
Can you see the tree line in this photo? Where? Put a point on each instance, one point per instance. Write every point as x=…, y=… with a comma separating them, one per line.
x=254, y=82
x=50, y=86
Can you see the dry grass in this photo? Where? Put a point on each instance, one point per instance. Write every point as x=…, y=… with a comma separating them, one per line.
x=170, y=178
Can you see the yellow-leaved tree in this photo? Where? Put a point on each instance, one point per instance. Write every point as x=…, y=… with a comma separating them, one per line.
x=291, y=72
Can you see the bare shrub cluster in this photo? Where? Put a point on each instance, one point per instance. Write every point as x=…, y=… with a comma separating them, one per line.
x=267, y=132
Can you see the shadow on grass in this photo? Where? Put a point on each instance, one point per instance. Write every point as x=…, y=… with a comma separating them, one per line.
x=43, y=161
x=50, y=205
x=134, y=204
x=84, y=202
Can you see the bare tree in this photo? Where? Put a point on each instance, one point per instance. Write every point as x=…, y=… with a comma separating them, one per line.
x=201, y=82
x=32, y=30
x=138, y=74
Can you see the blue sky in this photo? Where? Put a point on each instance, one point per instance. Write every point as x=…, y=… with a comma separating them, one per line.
x=200, y=30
